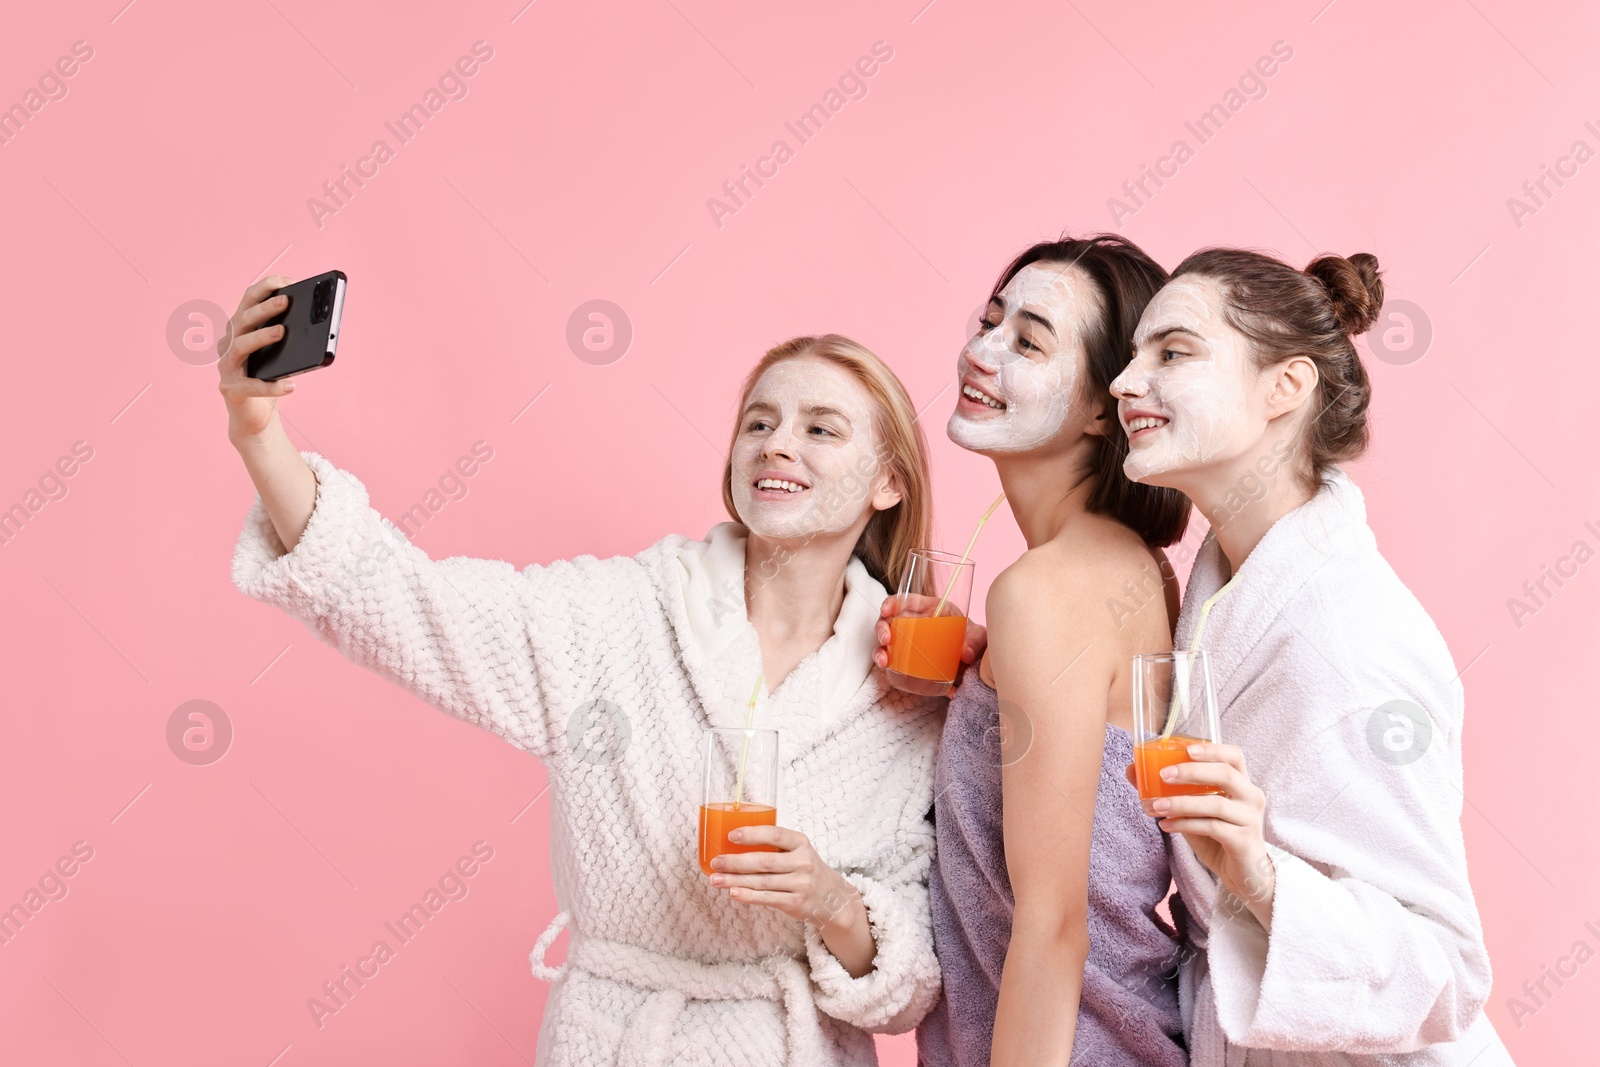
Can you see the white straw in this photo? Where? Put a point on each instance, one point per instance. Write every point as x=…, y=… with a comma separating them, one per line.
x=970, y=542
x=1181, y=680
x=744, y=756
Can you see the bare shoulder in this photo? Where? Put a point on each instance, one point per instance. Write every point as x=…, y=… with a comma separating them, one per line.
x=1079, y=578
x=1091, y=554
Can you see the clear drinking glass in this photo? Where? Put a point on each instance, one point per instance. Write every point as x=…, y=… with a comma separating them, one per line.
x=1174, y=706
x=924, y=648
x=740, y=788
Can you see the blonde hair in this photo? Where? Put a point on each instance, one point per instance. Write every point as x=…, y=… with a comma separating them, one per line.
x=892, y=533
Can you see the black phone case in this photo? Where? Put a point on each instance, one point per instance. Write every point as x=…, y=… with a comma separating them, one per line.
x=305, y=345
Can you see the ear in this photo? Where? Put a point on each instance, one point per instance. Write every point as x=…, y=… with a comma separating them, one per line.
x=1102, y=418
x=888, y=491
x=1292, y=384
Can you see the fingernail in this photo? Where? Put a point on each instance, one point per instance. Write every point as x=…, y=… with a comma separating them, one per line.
x=736, y=836
x=1196, y=751
x=1169, y=774
x=1161, y=805
x=716, y=879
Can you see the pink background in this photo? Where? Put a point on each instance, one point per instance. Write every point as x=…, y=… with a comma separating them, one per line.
x=179, y=165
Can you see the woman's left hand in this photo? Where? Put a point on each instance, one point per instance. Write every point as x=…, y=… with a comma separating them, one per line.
x=797, y=882
x=1225, y=830
x=794, y=879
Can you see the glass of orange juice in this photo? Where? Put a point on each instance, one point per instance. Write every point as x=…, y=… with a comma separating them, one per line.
x=925, y=638
x=740, y=788
x=1174, y=706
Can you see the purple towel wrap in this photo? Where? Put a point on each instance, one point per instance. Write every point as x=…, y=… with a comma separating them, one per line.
x=1128, y=1012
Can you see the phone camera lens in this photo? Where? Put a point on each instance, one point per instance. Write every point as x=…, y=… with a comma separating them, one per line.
x=322, y=301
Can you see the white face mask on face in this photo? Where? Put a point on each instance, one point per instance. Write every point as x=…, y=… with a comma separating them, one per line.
x=809, y=424
x=1185, y=398
x=1030, y=372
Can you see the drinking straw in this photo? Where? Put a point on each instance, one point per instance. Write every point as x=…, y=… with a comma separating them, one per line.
x=971, y=541
x=744, y=756
x=1181, y=680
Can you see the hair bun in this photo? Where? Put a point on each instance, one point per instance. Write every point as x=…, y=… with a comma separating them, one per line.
x=1355, y=288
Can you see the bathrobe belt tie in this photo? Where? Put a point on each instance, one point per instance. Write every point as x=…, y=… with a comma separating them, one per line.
x=672, y=982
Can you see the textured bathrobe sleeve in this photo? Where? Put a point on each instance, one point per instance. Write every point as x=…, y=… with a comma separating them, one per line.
x=1376, y=945
x=904, y=982
x=503, y=649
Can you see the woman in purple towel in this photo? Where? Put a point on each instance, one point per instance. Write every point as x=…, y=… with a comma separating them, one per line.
x=1047, y=871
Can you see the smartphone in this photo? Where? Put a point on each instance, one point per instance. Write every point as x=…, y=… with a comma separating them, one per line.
x=310, y=329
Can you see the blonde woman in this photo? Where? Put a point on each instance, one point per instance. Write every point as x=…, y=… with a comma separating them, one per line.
x=789, y=956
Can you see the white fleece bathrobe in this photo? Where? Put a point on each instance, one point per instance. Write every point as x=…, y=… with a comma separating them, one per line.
x=1376, y=954
x=608, y=671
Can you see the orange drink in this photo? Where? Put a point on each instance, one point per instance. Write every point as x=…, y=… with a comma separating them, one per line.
x=927, y=647
x=1150, y=756
x=1174, y=706
x=716, y=820
x=927, y=632
x=740, y=777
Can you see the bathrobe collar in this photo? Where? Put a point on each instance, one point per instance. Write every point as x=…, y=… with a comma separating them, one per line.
x=1332, y=524
x=723, y=652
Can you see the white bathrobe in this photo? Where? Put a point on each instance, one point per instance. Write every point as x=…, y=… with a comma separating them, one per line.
x=608, y=671
x=1376, y=953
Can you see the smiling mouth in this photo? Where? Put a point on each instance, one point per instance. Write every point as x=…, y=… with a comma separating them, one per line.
x=779, y=485
x=1144, y=425
x=978, y=396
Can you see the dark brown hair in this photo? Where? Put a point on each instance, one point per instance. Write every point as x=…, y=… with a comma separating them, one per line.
x=1126, y=279
x=1313, y=313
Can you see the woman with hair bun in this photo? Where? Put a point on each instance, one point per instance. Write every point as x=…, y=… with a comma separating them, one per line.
x=1325, y=882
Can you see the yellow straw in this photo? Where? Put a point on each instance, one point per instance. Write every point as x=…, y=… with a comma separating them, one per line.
x=974, y=540
x=1199, y=628
x=744, y=756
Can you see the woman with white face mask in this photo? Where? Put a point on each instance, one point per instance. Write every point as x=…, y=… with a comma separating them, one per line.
x=783, y=957
x=1326, y=880
x=1047, y=872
